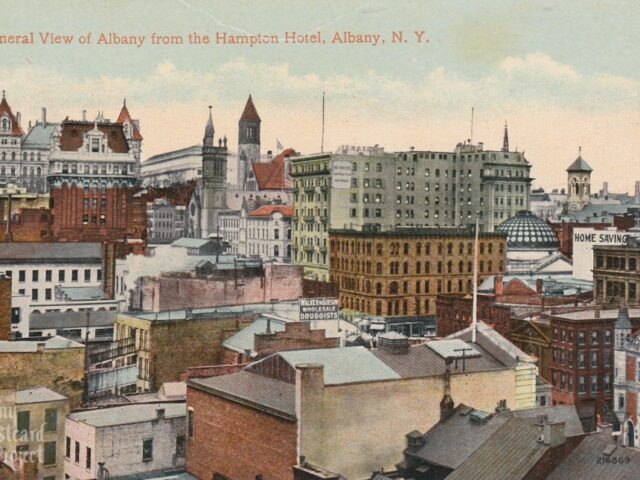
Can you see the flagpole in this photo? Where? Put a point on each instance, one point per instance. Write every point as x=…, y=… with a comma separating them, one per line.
x=474, y=313
x=322, y=139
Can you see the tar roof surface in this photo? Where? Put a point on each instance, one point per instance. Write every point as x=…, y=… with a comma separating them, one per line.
x=585, y=462
x=70, y=319
x=343, y=365
x=128, y=414
x=256, y=390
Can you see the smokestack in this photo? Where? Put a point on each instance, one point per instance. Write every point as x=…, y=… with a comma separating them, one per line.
x=605, y=188
x=637, y=195
x=84, y=115
x=44, y=115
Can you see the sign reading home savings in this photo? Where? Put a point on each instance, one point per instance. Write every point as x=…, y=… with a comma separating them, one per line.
x=318, y=309
x=583, y=241
x=341, y=174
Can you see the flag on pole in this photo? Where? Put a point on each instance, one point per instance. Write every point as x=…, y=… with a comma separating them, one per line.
x=279, y=146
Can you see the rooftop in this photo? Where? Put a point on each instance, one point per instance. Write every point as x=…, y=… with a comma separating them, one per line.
x=593, y=458
x=589, y=314
x=38, y=395
x=80, y=294
x=39, y=137
x=579, y=165
x=416, y=232
x=70, y=319
x=31, y=346
x=67, y=252
x=244, y=339
x=268, y=210
x=526, y=231
x=128, y=414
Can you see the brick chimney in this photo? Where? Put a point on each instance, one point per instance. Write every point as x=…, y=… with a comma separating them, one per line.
x=539, y=283
x=498, y=285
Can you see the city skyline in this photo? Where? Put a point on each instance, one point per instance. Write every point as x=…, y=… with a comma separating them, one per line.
x=551, y=72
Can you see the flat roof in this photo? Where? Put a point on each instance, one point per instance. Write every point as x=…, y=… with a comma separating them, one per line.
x=58, y=252
x=417, y=232
x=590, y=314
x=128, y=414
x=101, y=318
x=38, y=395
x=30, y=346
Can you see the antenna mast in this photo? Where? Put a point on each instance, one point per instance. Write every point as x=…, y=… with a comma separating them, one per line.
x=471, y=137
x=474, y=312
x=322, y=139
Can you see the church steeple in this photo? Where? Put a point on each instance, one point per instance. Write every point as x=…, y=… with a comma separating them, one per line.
x=505, y=140
x=208, y=130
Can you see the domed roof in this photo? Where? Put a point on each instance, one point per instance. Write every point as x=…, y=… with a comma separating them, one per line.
x=525, y=231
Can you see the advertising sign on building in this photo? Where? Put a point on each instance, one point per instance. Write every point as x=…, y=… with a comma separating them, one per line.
x=583, y=241
x=341, y=174
x=318, y=309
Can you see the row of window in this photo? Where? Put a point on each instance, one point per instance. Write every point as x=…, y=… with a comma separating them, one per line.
x=62, y=275
x=394, y=248
x=564, y=382
x=596, y=336
x=566, y=357
x=616, y=263
x=394, y=267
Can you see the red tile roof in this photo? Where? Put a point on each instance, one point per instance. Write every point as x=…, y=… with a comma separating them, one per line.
x=124, y=117
x=250, y=113
x=73, y=132
x=16, y=131
x=268, y=210
x=271, y=175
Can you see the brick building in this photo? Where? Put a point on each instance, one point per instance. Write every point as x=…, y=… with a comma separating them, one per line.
x=169, y=342
x=401, y=272
x=94, y=170
x=56, y=363
x=312, y=404
x=616, y=273
x=270, y=334
x=627, y=378
x=582, y=363
x=230, y=281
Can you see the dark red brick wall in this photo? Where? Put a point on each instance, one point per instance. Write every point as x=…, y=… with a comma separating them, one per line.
x=209, y=371
x=552, y=458
x=30, y=225
x=124, y=215
x=237, y=441
x=632, y=405
x=454, y=314
x=631, y=368
x=5, y=308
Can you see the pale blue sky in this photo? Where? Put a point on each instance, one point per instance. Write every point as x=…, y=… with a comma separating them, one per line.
x=563, y=73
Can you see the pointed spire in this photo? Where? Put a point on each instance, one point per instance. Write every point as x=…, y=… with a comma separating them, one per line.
x=3, y=94
x=124, y=102
x=209, y=130
x=505, y=140
x=250, y=114
x=622, y=322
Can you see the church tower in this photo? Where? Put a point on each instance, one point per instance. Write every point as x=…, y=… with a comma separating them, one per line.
x=214, y=179
x=131, y=129
x=578, y=184
x=248, y=141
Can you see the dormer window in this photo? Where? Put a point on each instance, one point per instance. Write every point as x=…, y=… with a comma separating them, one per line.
x=95, y=145
x=5, y=125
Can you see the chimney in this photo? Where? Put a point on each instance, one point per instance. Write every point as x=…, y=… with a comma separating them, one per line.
x=605, y=189
x=84, y=115
x=160, y=412
x=268, y=330
x=19, y=120
x=498, y=285
x=40, y=347
x=539, y=285
x=553, y=434
x=44, y=116
x=637, y=192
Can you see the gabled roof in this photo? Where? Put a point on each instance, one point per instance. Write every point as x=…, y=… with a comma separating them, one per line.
x=250, y=114
x=128, y=414
x=268, y=210
x=579, y=165
x=16, y=130
x=73, y=132
x=38, y=395
x=125, y=117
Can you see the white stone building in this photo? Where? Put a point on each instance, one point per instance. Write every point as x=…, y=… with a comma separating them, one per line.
x=126, y=440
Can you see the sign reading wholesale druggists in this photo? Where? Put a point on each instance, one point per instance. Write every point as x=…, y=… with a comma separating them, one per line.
x=318, y=309
x=341, y=174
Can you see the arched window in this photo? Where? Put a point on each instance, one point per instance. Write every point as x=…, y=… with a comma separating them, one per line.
x=378, y=288
x=489, y=266
x=393, y=288
x=460, y=266
x=276, y=251
x=450, y=248
x=405, y=268
x=449, y=266
x=378, y=269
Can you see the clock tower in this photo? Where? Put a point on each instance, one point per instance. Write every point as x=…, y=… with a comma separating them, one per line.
x=214, y=179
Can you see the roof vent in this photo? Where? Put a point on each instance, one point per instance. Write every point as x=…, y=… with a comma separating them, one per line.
x=480, y=417
x=394, y=343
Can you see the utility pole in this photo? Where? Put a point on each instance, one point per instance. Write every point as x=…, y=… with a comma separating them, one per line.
x=85, y=392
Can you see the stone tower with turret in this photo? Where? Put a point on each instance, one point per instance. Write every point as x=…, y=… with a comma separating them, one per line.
x=214, y=179
x=578, y=184
x=248, y=141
